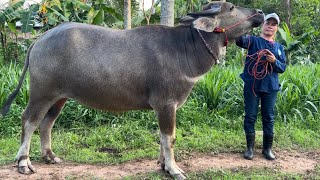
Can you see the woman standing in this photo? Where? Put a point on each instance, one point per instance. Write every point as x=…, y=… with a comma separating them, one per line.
x=265, y=59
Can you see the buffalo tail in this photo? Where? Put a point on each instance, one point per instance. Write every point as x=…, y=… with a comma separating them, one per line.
x=6, y=106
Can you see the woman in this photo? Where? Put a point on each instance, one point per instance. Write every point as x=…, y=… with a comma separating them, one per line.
x=265, y=59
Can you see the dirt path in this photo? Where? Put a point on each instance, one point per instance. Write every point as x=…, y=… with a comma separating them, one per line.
x=293, y=162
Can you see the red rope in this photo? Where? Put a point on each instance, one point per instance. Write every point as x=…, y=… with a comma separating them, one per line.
x=254, y=58
x=256, y=62
x=241, y=22
x=223, y=30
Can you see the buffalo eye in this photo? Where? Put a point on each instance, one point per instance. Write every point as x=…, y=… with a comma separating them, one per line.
x=231, y=8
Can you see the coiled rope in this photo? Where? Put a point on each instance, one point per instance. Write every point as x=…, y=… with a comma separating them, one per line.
x=260, y=68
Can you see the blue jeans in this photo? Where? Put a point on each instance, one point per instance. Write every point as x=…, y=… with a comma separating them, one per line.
x=251, y=104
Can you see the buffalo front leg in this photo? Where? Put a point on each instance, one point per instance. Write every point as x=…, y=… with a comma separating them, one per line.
x=167, y=122
x=45, y=132
x=161, y=156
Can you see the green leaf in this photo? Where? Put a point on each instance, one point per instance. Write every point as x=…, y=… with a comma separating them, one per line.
x=283, y=35
x=99, y=18
x=82, y=5
x=299, y=113
x=10, y=13
x=27, y=19
x=112, y=12
x=58, y=14
x=12, y=27
x=91, y=15
x=286, y=29
x=312, y=105
x=294, y=45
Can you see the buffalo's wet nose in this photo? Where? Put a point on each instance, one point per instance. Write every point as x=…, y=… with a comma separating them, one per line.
x=259, y=11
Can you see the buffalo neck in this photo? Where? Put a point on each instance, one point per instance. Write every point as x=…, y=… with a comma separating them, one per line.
x=198, y=56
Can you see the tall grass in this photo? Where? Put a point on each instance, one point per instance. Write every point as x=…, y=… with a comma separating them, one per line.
x=299, y=99
x=9, y=78
x=211, y=120
x=221, y=90
x=300, y=95
x=218, y=95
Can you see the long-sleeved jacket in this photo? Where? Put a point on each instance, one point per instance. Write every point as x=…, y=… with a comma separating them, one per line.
x=270, y=82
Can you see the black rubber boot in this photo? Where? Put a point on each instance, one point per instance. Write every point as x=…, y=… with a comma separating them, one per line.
x=250, y=144
x=267, y=145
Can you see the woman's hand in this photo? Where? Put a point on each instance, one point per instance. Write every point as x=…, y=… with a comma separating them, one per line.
x=270, y=56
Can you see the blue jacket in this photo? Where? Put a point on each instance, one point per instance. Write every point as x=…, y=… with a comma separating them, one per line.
x=270, y=82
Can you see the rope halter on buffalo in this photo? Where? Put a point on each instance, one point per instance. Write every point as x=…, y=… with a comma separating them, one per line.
x=223, y=30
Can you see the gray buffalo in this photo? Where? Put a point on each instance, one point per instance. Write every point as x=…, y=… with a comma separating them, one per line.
x=150, y=67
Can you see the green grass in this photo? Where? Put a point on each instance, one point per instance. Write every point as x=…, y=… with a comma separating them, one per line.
x=210, y=121
x=239, y=173
x=113, y=144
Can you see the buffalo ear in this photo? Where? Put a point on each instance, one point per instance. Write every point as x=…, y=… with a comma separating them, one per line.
x=205, y=24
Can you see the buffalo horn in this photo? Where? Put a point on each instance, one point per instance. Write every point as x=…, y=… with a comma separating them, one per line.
x=212, y=11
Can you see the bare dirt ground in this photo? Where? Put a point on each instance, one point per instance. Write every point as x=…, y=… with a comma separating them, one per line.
x=292, y=162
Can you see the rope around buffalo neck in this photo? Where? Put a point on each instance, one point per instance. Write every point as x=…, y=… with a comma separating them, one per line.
x=208, y=47
x=222, y=30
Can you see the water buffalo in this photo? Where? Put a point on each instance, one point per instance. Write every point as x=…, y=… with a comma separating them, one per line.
x=150, y=67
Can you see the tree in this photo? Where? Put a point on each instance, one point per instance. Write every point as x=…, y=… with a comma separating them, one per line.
x=147, y=14
x=127, y=14
x=167, y=13
x=288, y=13
x=8, y=18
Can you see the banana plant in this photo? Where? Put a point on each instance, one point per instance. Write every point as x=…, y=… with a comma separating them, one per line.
x=99, y=11
x=291, y=43
x=8, y=18
x=53, y=12
x=27, y=18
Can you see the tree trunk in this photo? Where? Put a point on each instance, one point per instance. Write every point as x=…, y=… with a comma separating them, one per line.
x=288, y=15
x=147, y=13
x=127, y=14
x=4, y=46
x=16, y=53
x=167, y=13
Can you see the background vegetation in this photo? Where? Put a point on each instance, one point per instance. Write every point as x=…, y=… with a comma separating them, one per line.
x=210, y=120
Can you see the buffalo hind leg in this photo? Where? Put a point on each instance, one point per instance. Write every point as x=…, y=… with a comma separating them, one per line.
x=30, y=119
x=161, y=156
x=45, y=132
x=167, y=122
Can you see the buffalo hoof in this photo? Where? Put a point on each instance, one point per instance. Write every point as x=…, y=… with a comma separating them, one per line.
x=54, y=160
x=161, y=162
x=163, y=166
x=25, y=167
x=179, y=176
x=174, y=171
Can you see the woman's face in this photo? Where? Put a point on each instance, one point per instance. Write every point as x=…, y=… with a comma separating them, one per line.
x=270, y=27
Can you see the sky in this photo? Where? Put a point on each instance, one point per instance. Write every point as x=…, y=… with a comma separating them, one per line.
x=147, y=4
